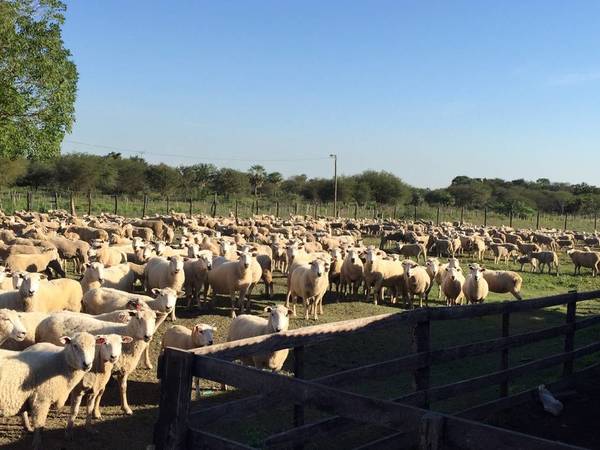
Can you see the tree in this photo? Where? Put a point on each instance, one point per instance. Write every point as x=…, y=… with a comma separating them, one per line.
x=162, y=178
x=230, y=181
x=197, y=177
x=12, y=169
x=38, y=80
x=257, y=176
x=77, y=172
x=439, y=197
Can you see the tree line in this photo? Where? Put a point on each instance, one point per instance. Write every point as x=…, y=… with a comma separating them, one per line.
x=114, y=174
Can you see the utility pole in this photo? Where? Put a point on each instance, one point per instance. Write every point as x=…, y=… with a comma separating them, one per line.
x=334, y=156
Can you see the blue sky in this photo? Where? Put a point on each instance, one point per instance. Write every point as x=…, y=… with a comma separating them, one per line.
x=426, y=90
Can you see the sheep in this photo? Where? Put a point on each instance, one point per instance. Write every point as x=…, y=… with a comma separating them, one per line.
x=475, y=287
x=247, y=326
x=526, y=259
x=42, y=376
x=412, y=250
x=109, y=256
x=36, y=263
x=141, y=328
x=279, y=256
x=230, y=277
x=452, y=286
x=417, y=282
x=500, y=252
x=196, y=277
x=55, y=295
x=104, y=300
x=527, y=247
x=108, y=351
x=581, y=259
x=181, y=337
x=165, y=272
x=120, y=277
x=548, y=258
x=351, y=272
x=381, y=273
x=335, y=269
x=503, y=281
x=11, y=326
x=310, y=283
x=88, y=233
x=74, y=250
x=443, y=247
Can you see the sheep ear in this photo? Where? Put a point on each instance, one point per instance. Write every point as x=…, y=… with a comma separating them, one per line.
x=126, y=339
x=155, y=291
x=132, y=313
x=100, y=340
x=268, y=309
x=65, y=340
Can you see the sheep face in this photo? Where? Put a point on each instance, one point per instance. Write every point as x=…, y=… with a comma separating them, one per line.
x=226, y=247
x=142, y=324
x=11, y=325
x=160, y=247
x=110, y=350
x=318, y=267
x=167, y=298
x=80, y=350
x=207, y=261
x=453, y=262
x=30, y=285
x=452, y=272
x=202, y=335
x=433, y=265
x=175, y=264
x=353, y=256
x=279, y=318
x=476, y=271
x=95, y=271
x=246, y=259
x=336, y=253
x=193, y=251
x=137, y=242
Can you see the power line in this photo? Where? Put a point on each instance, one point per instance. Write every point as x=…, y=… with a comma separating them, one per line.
x=197, y=158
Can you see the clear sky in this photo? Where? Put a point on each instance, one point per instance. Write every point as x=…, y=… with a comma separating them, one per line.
x=425, y=89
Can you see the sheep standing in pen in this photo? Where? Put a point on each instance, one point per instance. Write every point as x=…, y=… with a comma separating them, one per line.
x=381, y=273
x=452, y=286
x=546, y=258
x=52, y=296
x=141, y=328
x=105, y=300
x=308, y=282
x=108, y=351
x=417, y=282
x=196, y=277
x=588, y=259
x=108, y=256
x=504, y=281
x=246, y=326
x=526, y=259
x=165, y=273
x=11, y=326
x=181, y=337
x=475, y=288
x=43, y=376
x=413, y=251
x=351, y=272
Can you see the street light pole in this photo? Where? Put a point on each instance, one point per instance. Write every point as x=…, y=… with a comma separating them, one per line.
x=334, y=156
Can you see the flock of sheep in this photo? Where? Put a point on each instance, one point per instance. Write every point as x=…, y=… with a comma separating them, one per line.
x=62, y=340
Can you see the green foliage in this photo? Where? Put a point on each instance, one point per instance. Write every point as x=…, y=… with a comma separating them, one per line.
x=38, y=80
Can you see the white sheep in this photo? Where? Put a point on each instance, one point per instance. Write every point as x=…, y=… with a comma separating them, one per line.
x=56, y=295
x=246, y=326
x=165, y=273
x=181, y=337
x=308, y=282
x=11, y=326
x=196, y=276
x=120, y=277
x=104, y=300
x=452, y=286
x=141, y=328
x=42, y=376
x=351, y=272
x=108, y=351
x=476, y=287
x=417, y=282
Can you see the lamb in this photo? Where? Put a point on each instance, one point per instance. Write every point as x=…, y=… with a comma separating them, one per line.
x=181, y=337
x=526, y=259
x=452, y=286
x=413, y=250
x=230, y=277
x=36, y=263
x=500, y=252
x=247, y=326
x=120, y=277
x=141, y=328
x=11, y=326
x=108, y=256
x=475, y=287
x=108, y=351
x=42, y=376
x=55, y=295
x=503, y=281
x=279, y=256
x=548, y=258
x=165, y=272
x=310, y=283
x=417, y=282
x=104, y=300
x=443, y=247
x=335, y=269
x=352, y=271
x=581, y=259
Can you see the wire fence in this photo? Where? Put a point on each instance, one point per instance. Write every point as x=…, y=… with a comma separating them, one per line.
x=152, y=204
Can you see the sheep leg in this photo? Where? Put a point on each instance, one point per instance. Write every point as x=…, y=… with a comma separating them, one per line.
x=39, y=413
x=96, y=413
x=147, y=362
x=307, y=306
x=26, y=422
x=232, y=296
x=76, y=398
x=123, y=393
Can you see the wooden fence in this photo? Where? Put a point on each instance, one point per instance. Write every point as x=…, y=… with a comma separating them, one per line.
x=407, y=419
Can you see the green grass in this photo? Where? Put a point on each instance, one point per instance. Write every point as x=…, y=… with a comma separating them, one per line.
x=120, y=432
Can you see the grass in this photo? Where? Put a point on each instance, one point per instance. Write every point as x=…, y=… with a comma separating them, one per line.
x=120, y=432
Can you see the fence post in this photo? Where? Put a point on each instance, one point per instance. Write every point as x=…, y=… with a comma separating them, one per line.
x=190, y=207
x=72, y=204
x=485, y=216
x=565, y=228
x=213, y=208
x=55, y=200
x=29, y=197
x=437, y=216
x=236, y=211
x=595, y=219
x=462, y=214
x=116, y=204
x=89, y=206
x=504, y=355
x=570, y=334
x=144, y=205
x=431, y=432
x=315, y=210
x=299, y=373
x=421, y=343
x=171, y=429
x=355, y=210
x=168, y=205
